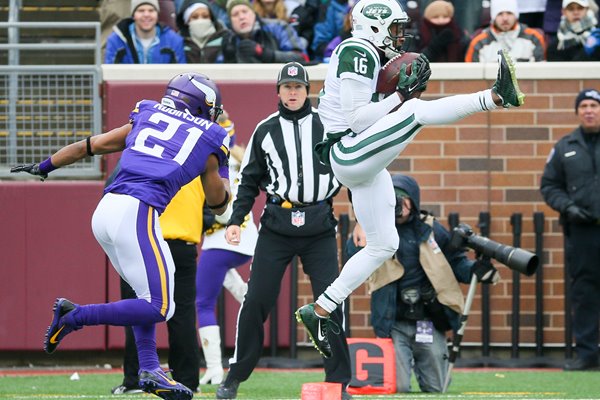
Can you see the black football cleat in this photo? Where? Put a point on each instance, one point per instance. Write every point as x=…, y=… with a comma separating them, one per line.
x=506, y=85
x=158, y=383
x=582, y=365
x=228, y=389
x=316, y=327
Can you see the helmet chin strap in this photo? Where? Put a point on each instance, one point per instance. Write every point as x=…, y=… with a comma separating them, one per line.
x=390, y=52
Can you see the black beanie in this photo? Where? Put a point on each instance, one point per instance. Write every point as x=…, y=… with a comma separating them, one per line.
x=586, y=94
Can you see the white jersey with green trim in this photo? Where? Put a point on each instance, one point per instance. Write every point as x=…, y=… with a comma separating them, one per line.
x=353, y=58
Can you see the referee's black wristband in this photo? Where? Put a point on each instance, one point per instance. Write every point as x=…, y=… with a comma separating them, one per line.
x=220, y=204
x=88, y=146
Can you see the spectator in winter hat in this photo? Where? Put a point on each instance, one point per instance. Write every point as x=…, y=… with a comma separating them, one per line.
x=253, y=40
x=575, y=28
x=136, y=3
x=202, y=32
x=441, y=39
x=507, y=33
x=141, y=39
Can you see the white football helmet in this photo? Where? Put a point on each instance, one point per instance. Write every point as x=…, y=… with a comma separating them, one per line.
x=381, y=22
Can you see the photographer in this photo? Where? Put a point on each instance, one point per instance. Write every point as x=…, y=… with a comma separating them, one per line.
x=416, y=297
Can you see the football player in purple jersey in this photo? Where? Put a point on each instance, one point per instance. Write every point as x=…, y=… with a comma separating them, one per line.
x=165, y=145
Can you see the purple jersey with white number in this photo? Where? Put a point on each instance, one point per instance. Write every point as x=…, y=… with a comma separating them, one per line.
x=165, y=150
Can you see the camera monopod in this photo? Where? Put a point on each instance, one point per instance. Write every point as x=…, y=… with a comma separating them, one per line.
x=461, y=330
x=515, y=258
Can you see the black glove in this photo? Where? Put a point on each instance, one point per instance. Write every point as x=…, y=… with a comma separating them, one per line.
x=420, y=72
x=443, y=38
x=423, y=72
x=249, y=48
x=33, y=169
x=485, y=271
x=437, y=47
x=578, y=215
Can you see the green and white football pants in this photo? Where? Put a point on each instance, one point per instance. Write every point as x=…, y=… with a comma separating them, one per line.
x=359, y=162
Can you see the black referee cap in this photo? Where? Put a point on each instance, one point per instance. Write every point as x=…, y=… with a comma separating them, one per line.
x=293, y=72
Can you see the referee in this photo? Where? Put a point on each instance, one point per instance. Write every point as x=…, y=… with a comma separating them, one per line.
x=298, y=220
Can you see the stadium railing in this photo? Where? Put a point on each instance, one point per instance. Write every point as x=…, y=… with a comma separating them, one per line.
x=45, y=107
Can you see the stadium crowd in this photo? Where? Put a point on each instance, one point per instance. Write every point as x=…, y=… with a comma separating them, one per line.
x=280, y=31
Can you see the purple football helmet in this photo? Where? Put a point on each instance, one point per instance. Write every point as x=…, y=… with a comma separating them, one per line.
x=195, y=93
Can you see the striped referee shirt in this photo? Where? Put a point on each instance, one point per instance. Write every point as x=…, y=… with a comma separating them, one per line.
x=280, y=161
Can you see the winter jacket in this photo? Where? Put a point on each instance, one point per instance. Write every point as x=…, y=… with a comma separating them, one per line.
x=442, y=43
x=572, y=174
x=122, y=47
x=329, y=28
x=211, y=52
x=277, y=38
x=522, y=43
x=569, y=44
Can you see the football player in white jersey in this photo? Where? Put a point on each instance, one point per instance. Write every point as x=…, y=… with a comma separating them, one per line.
x=365, y=135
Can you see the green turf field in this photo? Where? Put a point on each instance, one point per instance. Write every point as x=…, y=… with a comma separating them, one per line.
x=277, y=384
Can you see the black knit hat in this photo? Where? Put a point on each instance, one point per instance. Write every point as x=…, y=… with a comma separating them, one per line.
x=293, y=72
x=586, y=94
x=233, y=3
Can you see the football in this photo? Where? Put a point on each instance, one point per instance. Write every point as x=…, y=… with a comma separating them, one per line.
x=389, y=73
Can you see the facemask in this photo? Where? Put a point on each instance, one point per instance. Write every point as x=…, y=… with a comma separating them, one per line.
x=201, y=29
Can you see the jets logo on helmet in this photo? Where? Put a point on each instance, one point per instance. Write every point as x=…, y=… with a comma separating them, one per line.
x=381, y=22
x=376, y=11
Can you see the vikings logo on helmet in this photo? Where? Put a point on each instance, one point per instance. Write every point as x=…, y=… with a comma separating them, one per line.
x=210, y=95
x=194, y=93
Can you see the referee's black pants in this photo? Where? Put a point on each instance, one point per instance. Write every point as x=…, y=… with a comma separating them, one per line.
x=184, y=350
x=272, y=255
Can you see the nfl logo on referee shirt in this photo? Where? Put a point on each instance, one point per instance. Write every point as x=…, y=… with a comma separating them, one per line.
x=298, y=218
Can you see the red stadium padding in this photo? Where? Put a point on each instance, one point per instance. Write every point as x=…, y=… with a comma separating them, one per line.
x=373, y=366
x=50, y=252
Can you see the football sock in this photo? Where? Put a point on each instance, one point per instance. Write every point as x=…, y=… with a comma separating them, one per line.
x=121, y=313
x=145, y=341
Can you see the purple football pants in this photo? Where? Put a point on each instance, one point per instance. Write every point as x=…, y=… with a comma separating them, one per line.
x=212, y=267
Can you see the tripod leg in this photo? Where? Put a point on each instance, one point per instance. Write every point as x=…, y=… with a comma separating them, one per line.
x=459, y=334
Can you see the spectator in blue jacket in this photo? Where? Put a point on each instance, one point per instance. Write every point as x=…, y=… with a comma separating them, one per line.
x=344, y=34
x=141, y=39
x=253, y=40
x=329, y=27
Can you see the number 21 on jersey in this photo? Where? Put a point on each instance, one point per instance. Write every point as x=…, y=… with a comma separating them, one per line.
x=166, y=134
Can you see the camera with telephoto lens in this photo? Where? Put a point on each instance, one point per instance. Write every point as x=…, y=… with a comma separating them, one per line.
x=514, y=258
